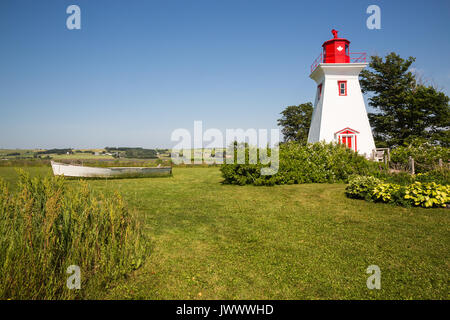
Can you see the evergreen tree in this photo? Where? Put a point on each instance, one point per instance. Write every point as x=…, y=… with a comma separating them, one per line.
x=404, y=109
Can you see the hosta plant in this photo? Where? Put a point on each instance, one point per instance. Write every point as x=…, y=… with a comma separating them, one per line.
x=384, y=191
x=428, y=195
x=361, y=187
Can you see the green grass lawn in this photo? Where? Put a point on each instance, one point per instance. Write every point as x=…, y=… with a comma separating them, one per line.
x=214, y=241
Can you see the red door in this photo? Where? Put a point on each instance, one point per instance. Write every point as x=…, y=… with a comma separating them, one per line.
x=346, y=140
x=346, y=136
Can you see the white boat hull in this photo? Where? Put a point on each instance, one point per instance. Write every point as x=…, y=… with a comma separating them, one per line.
x=68, y=170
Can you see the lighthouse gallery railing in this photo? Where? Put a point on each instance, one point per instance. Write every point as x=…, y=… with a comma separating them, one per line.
x=355, y=57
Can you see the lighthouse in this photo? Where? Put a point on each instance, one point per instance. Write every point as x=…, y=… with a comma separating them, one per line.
x=339, y=111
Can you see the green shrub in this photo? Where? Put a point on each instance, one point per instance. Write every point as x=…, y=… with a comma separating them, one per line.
x=311, y=163
x=361, y=187
x=439, y=176
x=384, y=192
x=402, y=178
x=398, y=197
x=47, y=226
x=426, y=156
x=428, y=195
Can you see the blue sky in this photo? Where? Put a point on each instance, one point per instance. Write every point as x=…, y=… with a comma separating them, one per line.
x=137, y=70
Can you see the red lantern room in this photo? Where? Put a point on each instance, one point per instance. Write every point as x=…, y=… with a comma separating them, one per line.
x=336, y=50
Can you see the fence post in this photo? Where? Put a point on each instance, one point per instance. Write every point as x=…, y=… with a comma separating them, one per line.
x=411, y=163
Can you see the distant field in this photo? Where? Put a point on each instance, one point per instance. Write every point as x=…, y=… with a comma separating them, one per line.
x=29, y=153
x=81, y=156
x=308, y=241
x=8, y=153
x=91, y=159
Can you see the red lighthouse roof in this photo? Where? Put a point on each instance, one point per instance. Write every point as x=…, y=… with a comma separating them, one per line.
x=335, y=38
x=337, y=50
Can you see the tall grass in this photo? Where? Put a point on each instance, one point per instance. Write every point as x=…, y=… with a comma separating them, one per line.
x=47, y=226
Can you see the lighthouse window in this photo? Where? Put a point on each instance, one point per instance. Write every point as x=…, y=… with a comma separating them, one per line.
x=342, y=88
x=319, y=91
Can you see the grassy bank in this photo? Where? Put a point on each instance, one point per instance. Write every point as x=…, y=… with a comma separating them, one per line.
x=284, y=242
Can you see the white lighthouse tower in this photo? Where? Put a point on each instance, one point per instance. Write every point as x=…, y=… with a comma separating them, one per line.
x=339, y=111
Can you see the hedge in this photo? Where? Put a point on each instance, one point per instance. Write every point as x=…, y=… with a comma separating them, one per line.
x=311, y=163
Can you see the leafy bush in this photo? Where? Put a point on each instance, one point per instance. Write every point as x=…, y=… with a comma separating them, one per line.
x=384, y=192
x=428, y=194
x=311, y=163
x=47, y=226
x=361, y=187
x=439, y=176
x=426, y=156
x=402, y=178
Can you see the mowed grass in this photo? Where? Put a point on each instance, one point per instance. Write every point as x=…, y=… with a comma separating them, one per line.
x=214, y=241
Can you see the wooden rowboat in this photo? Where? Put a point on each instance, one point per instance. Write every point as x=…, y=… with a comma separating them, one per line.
x=69, y=170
